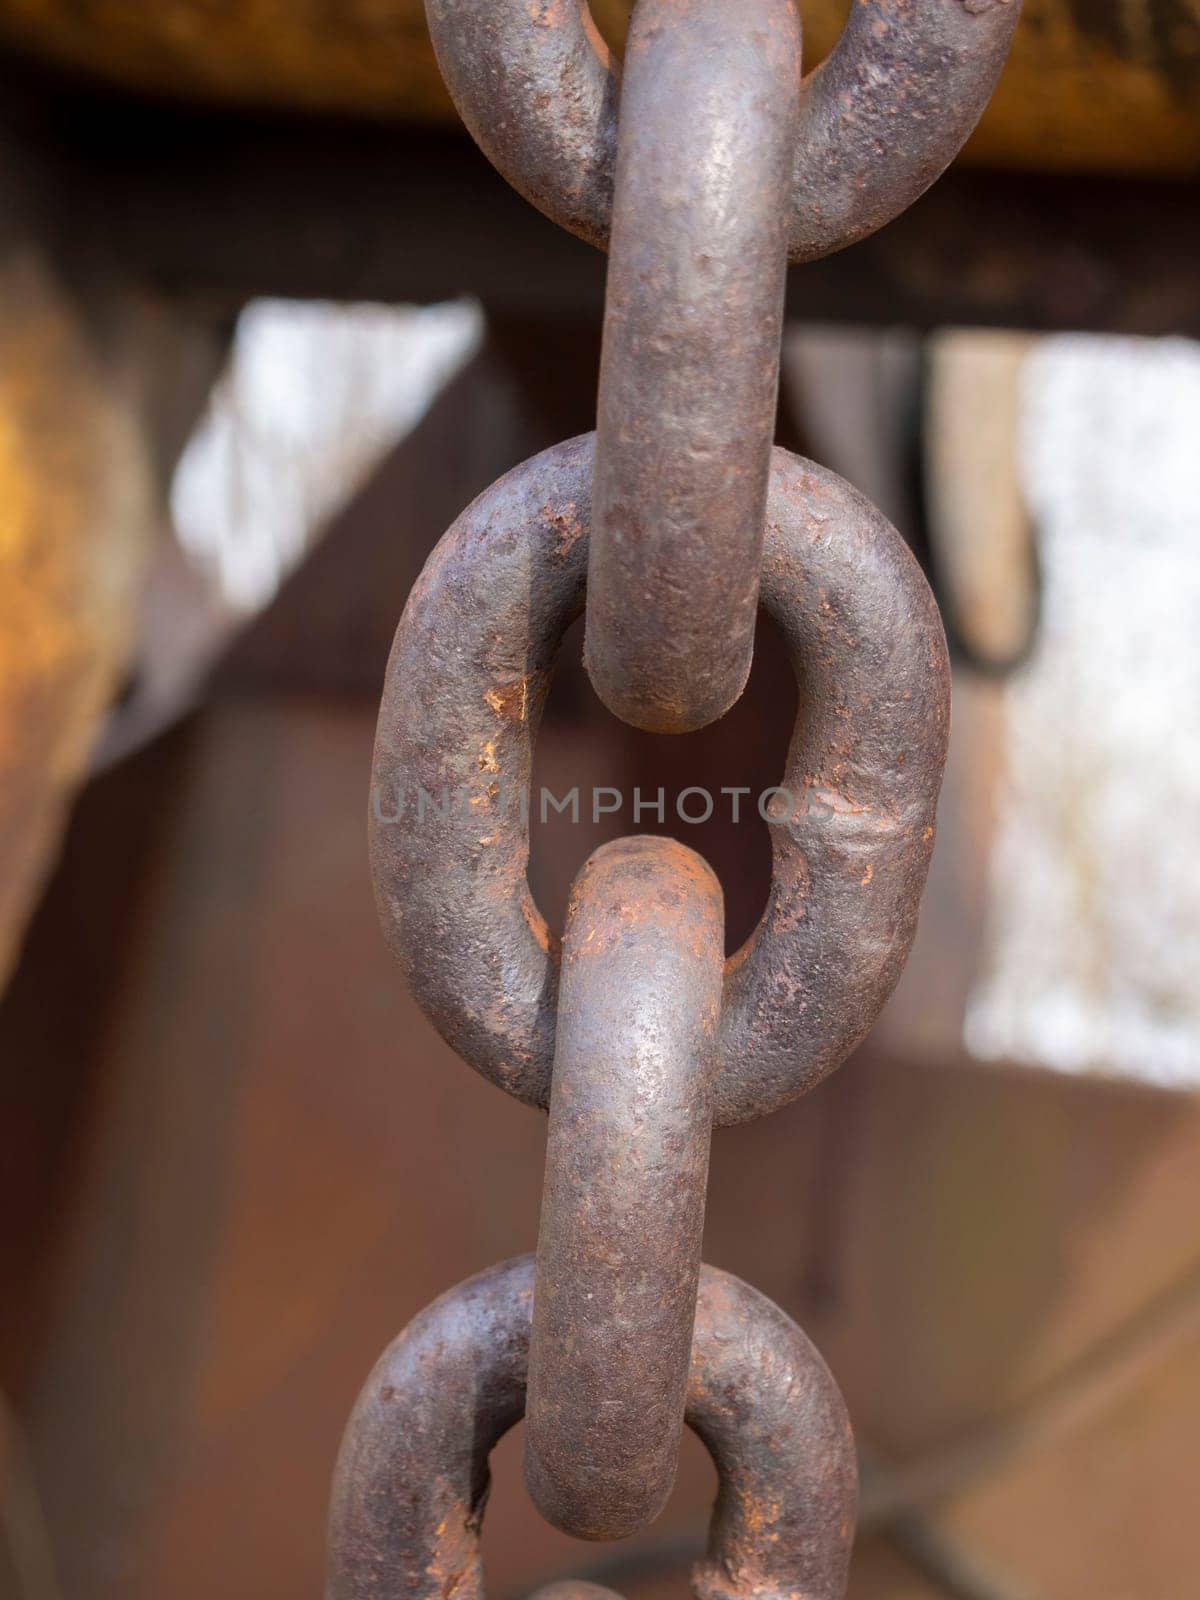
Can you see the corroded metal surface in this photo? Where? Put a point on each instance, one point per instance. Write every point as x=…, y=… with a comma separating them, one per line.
x=618, y=1257
x=362, y=56
x=852, y=824
x=690, y=370
x=412, y=1477
x=1098, y=85
x=1106, y=85
x=637, y=1031
x=882, y=117
x=76, y=521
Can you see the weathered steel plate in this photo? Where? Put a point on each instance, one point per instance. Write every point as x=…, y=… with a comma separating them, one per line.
x=1094, y=84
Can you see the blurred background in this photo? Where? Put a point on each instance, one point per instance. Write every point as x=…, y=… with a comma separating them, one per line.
x=267, y=323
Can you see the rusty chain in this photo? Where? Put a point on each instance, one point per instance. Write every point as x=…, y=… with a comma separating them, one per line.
x=626, y=1171
x=879, y=120
x=469, y=671
x=674, y=523
x=692, y=328
x=412, y=1477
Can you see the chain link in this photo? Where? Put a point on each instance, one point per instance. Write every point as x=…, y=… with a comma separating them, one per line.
x=673, y=523
x=411, y=1481
x=880, y=120
x=618, y=1257
x=690, y=370
x=851, y=822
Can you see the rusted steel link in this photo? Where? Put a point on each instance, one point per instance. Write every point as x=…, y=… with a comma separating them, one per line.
x=690, y=372
x=618, y=1256
x=412, y=1476
x=879, y=120
x=851, y=826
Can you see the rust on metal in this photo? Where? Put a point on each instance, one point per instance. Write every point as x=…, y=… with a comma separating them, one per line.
x=669, y=525
x=690, y=369
x=1101, y=86
x=412, y=1476
x=852, y=823
x=360, y=56
x=880, y=119
x=77, y=522
x=618, y=1258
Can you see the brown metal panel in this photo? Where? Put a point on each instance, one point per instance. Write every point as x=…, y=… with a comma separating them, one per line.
x=1097, y=85
x=75, y=528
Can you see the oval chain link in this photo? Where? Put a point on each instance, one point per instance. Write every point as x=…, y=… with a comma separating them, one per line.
x=853, y=822
x=689, y=377
x=618, y=1256
x=880, y=119
x=412, y=1482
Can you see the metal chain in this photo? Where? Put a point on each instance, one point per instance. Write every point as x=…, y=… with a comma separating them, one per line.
x=688, y=382
x=412, y=1476
x=673, y=523
x=618, y=1256
x=852, y=829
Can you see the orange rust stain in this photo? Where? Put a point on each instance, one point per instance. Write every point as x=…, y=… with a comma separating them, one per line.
x=1118, y=96
x=74, y=537
x=567, y=527
x=759, y=1518
x=546, y=13
x=511, y=699
x=457, y=1552
x=1101, y=100
x=366, y=57
x=537, y=925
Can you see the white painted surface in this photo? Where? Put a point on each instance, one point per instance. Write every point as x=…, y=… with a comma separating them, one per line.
x=314, y=396
x=1093, y=960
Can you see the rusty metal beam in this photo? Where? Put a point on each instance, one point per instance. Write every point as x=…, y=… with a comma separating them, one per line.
x=229, y=207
